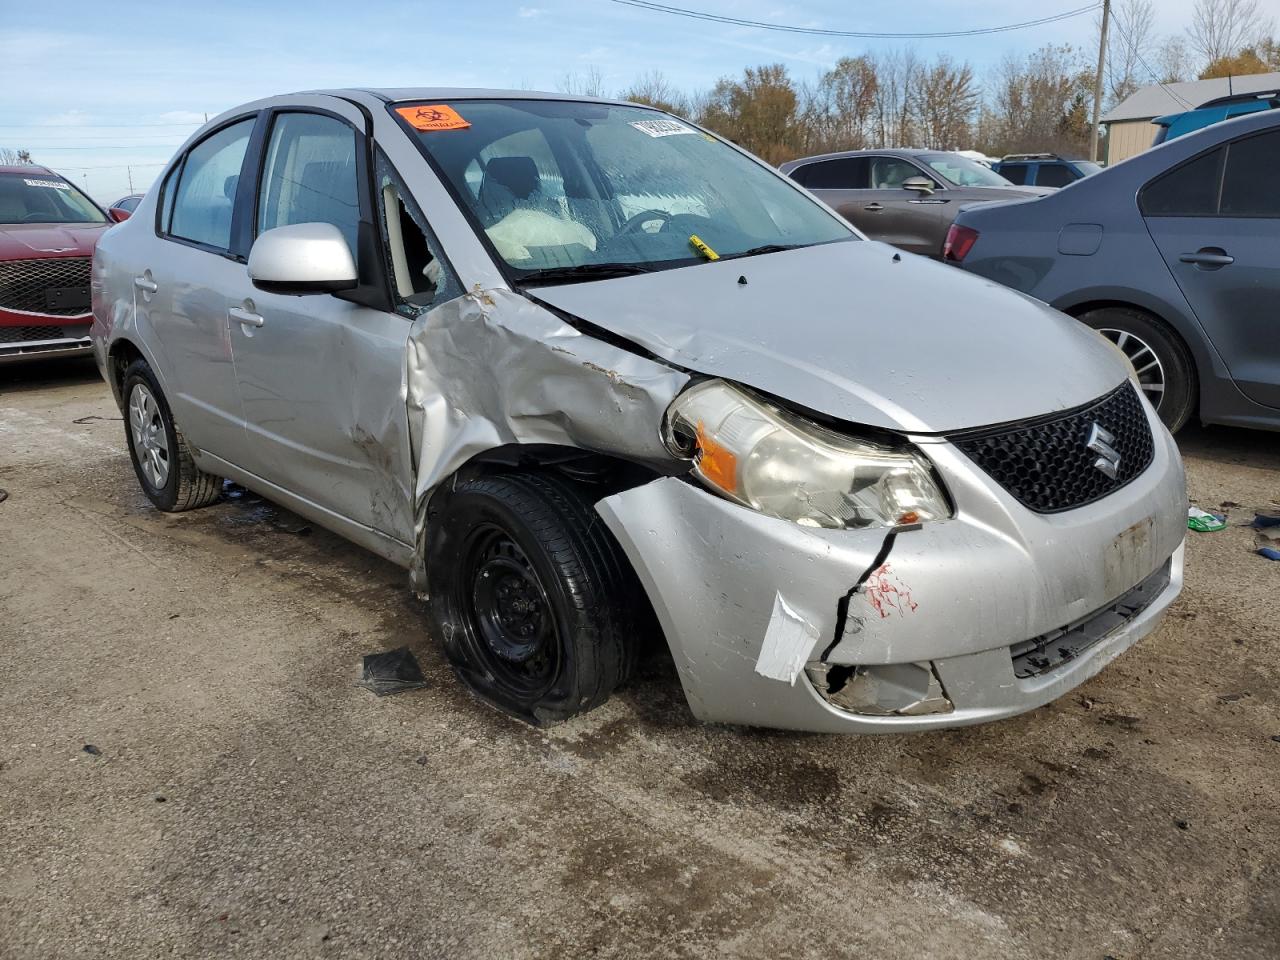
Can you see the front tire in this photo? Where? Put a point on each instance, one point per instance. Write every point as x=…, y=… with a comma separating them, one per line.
x=1165, y=369
x=161, y=459
x=533, y=598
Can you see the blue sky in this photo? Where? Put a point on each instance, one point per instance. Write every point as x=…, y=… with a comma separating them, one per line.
x=111, y=85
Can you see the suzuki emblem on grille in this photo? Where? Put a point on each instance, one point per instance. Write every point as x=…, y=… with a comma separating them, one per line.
x=1100, y=442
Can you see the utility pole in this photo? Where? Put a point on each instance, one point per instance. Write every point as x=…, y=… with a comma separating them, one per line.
x=1097, y=81
x=130, y=171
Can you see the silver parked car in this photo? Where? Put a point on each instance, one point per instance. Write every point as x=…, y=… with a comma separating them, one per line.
x=575, y=363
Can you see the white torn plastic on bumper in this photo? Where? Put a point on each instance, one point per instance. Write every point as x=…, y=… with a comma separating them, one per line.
x=787, y=642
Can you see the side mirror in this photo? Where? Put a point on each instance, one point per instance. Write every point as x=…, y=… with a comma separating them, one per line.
x=118, y=214
x=918, y=184
x=302, y=258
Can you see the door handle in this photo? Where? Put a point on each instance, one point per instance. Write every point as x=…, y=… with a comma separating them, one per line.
x=145, y=285
x=873, y=207
x=249, y=319
x=1208, y=258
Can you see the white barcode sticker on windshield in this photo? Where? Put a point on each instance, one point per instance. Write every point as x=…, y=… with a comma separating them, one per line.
x=52, y=184
x=661, y=128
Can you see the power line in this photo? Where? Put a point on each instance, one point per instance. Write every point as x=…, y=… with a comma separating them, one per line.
x=866, y=35
x=1146, y=66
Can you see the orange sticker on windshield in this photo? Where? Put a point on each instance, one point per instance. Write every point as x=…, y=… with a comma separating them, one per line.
x=434, y=117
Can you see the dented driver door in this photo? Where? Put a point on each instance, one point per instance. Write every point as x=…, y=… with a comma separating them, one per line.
x=321, y=380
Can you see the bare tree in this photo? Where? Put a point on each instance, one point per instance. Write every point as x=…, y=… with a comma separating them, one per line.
x=1173, y=61
x=1129, y=46
x=588, y=84
x=1039, y=102
x=942, y=98
x=11, y=157
x=655, y=90
x=1222, y=28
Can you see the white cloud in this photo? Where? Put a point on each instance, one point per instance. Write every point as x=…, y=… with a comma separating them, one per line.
x=182, y=116
x=67, y=118
x=529, y=12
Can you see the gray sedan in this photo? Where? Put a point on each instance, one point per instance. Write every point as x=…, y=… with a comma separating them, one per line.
x=1174, y=255
x=904, y=197
x=587, y=370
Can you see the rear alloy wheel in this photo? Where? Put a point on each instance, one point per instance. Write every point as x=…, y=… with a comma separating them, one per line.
x=161, y=458
x=537, y=607
x=1164, y=368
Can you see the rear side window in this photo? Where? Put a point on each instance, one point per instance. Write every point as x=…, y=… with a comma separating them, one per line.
x=205, y=192
x=1190, y=190
x=1054, y=175
x=310, y=175
x=846, y=173
x=1014, y=172
x=1251, y=185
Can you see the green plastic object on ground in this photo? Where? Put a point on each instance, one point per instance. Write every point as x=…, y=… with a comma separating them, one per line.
x=1203, y=522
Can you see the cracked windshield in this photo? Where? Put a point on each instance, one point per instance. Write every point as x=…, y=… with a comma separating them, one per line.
x=564, y=188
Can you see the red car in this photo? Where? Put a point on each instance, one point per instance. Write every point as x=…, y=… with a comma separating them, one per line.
x=48, y=229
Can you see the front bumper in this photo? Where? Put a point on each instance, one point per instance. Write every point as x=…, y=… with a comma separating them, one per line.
x=37, y=336
x=749, y=602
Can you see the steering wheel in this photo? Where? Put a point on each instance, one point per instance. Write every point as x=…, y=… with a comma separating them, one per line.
x=645, y=216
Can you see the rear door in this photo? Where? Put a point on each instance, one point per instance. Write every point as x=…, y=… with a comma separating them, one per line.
x=843, y=184
x=178, y=284
x=1216, y=221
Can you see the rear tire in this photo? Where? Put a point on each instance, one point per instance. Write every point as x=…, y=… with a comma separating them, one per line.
x=534, y=601
x=1164, y=366
x=161, y=459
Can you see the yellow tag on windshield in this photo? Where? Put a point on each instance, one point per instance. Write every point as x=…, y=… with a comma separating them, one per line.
x=696, y=242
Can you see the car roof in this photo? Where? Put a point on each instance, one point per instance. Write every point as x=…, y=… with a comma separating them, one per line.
x=29, y=168
x=904, y=152
x=397, y=94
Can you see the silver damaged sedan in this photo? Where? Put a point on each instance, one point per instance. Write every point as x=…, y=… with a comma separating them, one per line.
x=592, y=374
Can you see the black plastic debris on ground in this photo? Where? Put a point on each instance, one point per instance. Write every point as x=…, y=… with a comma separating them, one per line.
x=4, y=495
x=392, y=671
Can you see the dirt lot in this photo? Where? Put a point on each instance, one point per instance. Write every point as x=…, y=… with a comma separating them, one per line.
x=248, y=798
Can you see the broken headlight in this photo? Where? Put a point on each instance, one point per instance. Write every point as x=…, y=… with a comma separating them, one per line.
x=773, y=461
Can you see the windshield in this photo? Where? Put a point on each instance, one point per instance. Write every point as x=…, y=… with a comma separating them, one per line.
x=40, y=198
x=964, y=172
x=562, y=186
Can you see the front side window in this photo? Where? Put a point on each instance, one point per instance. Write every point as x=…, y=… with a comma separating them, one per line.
x=1250, y=186
x=41, y=198
x=1190, y=190
x=419, y=272
x=310, y=175
x=890, y=173
x=205, y=193
x=556, y=184
x=963, y=172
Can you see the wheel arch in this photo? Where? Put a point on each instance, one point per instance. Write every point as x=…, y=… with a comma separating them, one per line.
x=119, y=356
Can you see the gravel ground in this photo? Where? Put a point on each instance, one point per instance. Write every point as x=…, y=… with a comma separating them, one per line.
x=243, y=796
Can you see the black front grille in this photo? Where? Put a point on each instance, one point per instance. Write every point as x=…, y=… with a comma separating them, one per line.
x=56, y=286
x=29, y=334
x=1047, y=464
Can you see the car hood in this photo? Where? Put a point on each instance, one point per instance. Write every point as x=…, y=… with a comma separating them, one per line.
x=30, y=241
x=860, y=333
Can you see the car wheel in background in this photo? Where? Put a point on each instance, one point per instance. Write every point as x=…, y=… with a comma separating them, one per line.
x=160, y=456
x=532, y=597
x=1162, y=362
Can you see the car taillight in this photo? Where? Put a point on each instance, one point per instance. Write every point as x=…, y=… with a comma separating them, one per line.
x=959, y=242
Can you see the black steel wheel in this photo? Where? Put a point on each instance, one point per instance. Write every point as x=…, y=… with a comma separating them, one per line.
x=537, y=607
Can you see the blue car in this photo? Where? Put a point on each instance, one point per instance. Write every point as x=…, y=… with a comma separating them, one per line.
x=1173, y=255
x=1043, y=169
x=1215, y=111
